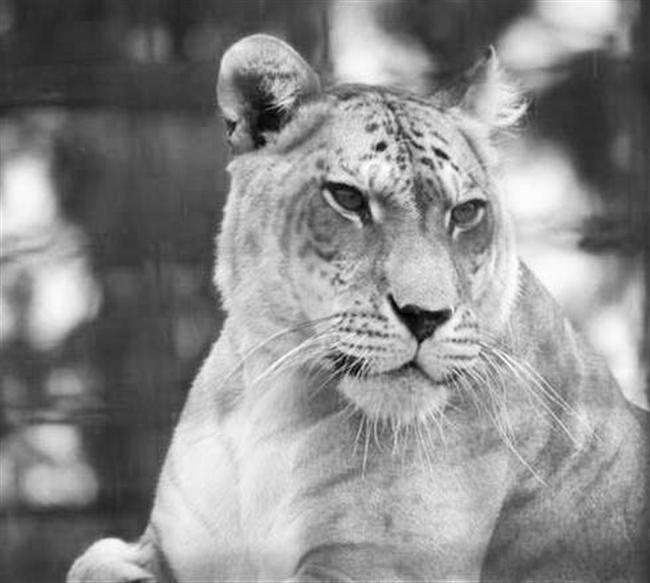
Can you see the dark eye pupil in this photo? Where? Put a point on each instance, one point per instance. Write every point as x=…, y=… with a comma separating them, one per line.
x=349, y=198
x=466, y=212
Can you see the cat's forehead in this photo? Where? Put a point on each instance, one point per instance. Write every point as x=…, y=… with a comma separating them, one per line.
x=393, y=141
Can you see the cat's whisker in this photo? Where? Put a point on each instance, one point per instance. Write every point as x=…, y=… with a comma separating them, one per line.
x=301, y=326
x=541, y=394
x=293, y=357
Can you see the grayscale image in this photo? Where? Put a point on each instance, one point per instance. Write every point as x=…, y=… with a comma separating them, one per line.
x=324, y=291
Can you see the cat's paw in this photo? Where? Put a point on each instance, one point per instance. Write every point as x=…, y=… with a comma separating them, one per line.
x=110, y=560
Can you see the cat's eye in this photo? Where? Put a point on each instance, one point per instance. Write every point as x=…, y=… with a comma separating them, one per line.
x=346, y=199
x=468, y=214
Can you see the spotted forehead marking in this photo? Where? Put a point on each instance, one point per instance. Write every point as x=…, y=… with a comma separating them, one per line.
x=415, y=140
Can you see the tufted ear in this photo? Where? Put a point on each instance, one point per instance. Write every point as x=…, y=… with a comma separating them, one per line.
x=484, y=93
x=261, y=82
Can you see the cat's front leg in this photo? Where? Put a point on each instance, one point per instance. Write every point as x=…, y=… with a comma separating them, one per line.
x=361, y=563
x=112, y=560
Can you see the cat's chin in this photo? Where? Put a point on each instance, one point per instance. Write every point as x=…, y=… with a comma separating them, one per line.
x=404, y=395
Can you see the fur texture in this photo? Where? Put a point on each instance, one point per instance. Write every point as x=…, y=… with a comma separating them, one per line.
x=394, y=396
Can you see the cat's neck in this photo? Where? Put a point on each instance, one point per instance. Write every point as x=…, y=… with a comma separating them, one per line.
x=569, y=370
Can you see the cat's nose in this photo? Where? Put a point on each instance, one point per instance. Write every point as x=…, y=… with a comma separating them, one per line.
x=421, y=322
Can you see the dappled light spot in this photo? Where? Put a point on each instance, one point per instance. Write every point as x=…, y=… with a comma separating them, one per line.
x=45, y=466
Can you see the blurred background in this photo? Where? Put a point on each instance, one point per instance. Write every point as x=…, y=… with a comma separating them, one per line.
x=112, y=183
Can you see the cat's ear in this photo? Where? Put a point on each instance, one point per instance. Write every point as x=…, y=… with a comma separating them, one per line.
x=485, y=93
x=261, y=82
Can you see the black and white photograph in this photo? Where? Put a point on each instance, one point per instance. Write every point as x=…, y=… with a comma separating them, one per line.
x=324, y=291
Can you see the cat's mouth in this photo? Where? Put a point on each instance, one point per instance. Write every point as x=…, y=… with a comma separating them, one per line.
x=403, y=393
x=347, y=365
x=412, y=369
x=407, y=369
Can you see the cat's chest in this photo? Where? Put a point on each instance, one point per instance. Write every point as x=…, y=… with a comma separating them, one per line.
x=335, y=482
